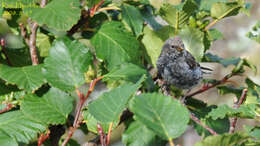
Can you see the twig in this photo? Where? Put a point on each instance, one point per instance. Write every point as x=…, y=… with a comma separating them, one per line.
x=219, y=18
x=82, y=100
x=108, y=8
x=236, y=106
x=9, y=106
x=195, y=119
x=95, y=8
x=84, y=18
x=109, y=133
x=171, y=142
x=203, y=89
x=2, y=43
x=211, y=24
x=102, y=135
x=43, y=137
x=32, y=44
x=31, y=39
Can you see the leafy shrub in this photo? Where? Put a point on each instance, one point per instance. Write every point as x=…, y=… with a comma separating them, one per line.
x=50, y=51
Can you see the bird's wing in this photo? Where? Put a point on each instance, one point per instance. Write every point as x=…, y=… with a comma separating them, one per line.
x=191, y=61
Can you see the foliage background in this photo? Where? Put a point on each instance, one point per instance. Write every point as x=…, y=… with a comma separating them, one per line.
x=69, y=75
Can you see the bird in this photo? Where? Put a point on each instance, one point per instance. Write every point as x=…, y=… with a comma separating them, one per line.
x=176, y=66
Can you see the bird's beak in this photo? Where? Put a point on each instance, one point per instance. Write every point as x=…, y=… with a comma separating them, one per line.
x=179, y=49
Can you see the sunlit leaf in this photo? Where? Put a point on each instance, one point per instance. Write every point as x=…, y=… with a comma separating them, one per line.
x=115, y=45
x=223, y=140
x=109, y=106
x=193, y=41
x=178, y=16
x=29, y=78
x=133, y=18
x=154, y=40
x=53, y=108
x=66, y=64
x=58, y=14
x=165, y=116
x=138, y=135
x=19, y=127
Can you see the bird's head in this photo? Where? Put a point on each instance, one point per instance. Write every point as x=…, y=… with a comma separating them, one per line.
x=174, y=46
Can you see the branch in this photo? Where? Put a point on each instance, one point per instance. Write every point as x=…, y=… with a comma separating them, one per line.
x=102, y=135
x=31, y=39
x=8, y=107
x=195, y=119
x=171, y=142
x=43, y=137
x=95, y=8
x=32, y=43
x=109, y=133
x=2, y=44
x=205, y=88
x=108, y=8
x=236, y=106
x=82, y=100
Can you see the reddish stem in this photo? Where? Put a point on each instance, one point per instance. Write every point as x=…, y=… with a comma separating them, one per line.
x=95, y=8
x=195, y=119
x=8, y=107
x=109, y=133
x=205, y=88
x=236, y=106
x=82, y=100
x=102, y=135
x=43, y=137
x=2, y=43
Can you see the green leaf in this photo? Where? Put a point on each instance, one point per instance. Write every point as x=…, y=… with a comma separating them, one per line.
x=207, y=4
x=116, y=46
x=245, y=111
x=19, y=127
x=53, y=108
x=6, y=140
x=223, y=140
x=66, y=64
x=108, y=107
x=154, y=40
x=43, y=43
x=225, y=62
x=91, y=3
x=29, y=78
x=58, y=14
x=14, y=41
x=229, y=89
x=255, y=132
x=193, y=41
x=178, y=16
x=91, y=122
x=150, y=18
x=132, y=16
x=214, y=34
x=255, y=33
x=138, y=135
x=201, y=111
x=161, y=114
x=18, y=57
x=220, y=10
x=127, y=71
x=158, y=3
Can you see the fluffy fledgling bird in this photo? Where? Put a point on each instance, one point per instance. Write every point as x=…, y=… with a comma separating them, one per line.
x=176, y=66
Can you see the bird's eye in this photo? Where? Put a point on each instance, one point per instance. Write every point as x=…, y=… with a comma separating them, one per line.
x=172, y=46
